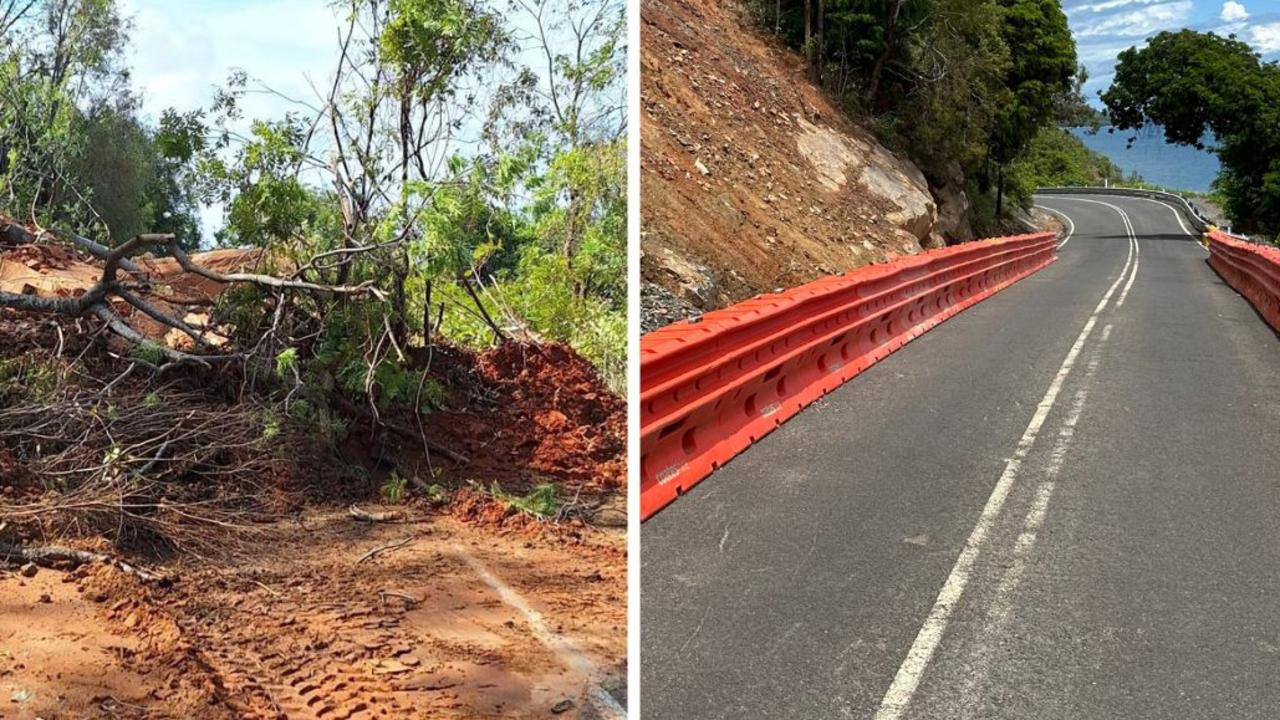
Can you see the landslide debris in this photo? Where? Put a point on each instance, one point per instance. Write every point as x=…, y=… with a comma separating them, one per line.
x=752, y=179
x=176, y=544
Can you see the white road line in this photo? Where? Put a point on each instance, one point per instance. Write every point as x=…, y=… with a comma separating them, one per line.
x=1133, y=239
x=564, y=647
x=1137, y=252
x=1177, y=214
x=1001, y=607
x=1071, y=226
x=898, y=697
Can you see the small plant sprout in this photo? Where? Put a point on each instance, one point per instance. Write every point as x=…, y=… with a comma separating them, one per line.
x=542, y=502
x=393, y=488
x=286, y=361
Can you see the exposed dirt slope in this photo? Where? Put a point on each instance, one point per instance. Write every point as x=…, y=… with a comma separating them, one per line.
x=751, y=178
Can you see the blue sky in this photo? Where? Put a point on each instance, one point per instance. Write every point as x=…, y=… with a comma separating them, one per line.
x=1105, y=27
x=181, y=50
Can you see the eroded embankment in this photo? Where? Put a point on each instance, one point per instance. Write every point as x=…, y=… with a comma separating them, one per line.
x=752, y=178
x=274, y=599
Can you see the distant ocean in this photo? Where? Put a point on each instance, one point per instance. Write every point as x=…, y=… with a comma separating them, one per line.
x=1177, y=167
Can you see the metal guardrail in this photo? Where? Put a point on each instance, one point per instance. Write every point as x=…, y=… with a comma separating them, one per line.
x=710, y=388
x=1178, y=202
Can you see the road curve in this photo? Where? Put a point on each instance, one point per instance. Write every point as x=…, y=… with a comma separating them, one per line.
x=1062, y=503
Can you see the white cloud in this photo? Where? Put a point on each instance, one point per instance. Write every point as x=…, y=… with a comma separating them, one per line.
x=1105, y=5
x=1139, y=22
x=1233, y=12
x=181, y=51
x=1265, y=38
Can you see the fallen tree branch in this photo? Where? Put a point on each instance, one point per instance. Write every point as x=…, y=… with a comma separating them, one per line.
x=267, y=280
x=410, y=601
x=47, y=555
x=376, y=516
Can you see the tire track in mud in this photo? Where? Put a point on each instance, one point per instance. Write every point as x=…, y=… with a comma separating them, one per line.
x=326, y=650
x=302, y=677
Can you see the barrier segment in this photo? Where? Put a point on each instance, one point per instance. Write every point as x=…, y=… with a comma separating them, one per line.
x=1253, y=270
x=710, y=388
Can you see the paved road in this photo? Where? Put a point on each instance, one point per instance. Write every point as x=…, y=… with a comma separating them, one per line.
x=1062, y=503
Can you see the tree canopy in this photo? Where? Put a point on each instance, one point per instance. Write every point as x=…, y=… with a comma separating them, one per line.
x=73, y=150
x=463, y=165
x=1205, y=89
x=962, y=86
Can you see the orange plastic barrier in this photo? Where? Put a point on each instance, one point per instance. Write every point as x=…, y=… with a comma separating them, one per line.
x=1253, y=270
x=711, y=387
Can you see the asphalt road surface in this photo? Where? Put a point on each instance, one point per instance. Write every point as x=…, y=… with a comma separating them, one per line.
x=1062, y=503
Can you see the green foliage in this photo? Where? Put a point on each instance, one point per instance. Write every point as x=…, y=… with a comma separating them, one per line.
x=319, y=420
x=961, y=86
x=28, y=379
x=73, y=151
x=1072, y=109
x=270, y=427
x=150, y=353
x=1196, y=85
x=1043, y=62
x=1056, y=158
x=438, y=495
x=431, y=43
x=540, y=293
x=542, y=502
x=434, y=394
x=393, y=488
x=286, y=362
x=445, y=174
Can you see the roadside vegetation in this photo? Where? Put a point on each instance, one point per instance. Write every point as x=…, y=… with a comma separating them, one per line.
x=1056, y=158
x=966, y=88
x=409, y=269
x=475, y=196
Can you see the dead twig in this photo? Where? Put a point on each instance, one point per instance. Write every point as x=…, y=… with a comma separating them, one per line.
x=386, y=548
x=410, y=601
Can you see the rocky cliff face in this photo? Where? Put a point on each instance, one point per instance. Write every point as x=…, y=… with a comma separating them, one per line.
x=751, y=178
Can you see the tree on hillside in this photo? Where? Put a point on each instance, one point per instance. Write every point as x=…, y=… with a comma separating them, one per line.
x=1043, y=62
x=73, y=153
x=960, y=85
x=1194, y=84
x=1072, y=108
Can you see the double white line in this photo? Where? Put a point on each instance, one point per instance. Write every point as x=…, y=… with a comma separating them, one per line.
x=907, y=680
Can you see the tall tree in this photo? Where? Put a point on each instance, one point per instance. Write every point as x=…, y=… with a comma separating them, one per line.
x=1042, y=63
x=1202, y=87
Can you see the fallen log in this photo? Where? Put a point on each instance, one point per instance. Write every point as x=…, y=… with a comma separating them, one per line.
x=47, y=555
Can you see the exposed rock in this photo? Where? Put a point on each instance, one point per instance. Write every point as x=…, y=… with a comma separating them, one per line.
x=953, y=207
x=752, y=178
